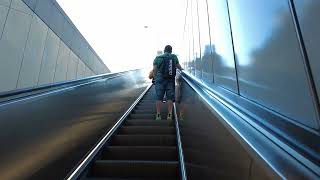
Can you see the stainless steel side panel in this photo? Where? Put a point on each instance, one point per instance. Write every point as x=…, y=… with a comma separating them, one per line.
x=270, y=65
x=221, y=142
x=308, y=12
x=45, y=137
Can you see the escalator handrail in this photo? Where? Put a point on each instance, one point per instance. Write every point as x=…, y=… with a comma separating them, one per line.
x=179, y=143
x=305, y=168
x=78, y=170
x=57, y=86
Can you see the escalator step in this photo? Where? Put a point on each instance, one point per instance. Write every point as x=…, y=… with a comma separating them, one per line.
x=146, y=130
x=150, y=153
x=146, y=107
x=134, y=169
x=144, y=111
x=143, y=140
x=148, y=101
x=142, y=116
x=148, y=122
x=134, y=178
x=150, y=106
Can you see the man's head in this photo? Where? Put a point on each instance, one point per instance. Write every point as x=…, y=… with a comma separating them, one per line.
x=168, y=49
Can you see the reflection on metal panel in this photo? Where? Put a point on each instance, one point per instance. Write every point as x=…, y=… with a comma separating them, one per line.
x=270, y=64
x=55, y=131
x=195, y=41
x=206, y=58
x=308, y=13
x=222, y=51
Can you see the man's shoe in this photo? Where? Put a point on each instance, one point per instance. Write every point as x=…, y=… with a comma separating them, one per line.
x=169, y=117
x=158, y=116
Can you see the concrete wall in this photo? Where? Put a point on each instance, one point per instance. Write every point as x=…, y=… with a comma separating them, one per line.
x=40, y=45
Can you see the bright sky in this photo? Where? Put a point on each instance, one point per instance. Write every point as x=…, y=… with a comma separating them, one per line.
x=116, y=28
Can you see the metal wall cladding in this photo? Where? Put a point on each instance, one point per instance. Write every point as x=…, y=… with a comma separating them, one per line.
x=49, y=58
x=270, y=65
x=68, y=33
x=5, y=3
x=32, y=49
x=32, y=58
x=222, y=50
x=80, y=70
x=3, y=16
x=21, y=6
x=44, y=11
x=308, y=13
x=72, y=67
x=50, y=12
x=12, y=45
x=62, y=61
x=31, y=3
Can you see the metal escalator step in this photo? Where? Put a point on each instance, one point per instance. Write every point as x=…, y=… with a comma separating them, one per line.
x=132, y=119
x=144, y=111
x=149, y=97
x=143, y=140
x=151, y=153
x=142, y=116
x=146, y=130
x=149, y=104
x=135, y=178
x=148, y=101
x=148, y=122
x=134, y=169
x=146, y=107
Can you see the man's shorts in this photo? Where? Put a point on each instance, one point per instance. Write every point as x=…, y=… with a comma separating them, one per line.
x=165, y=86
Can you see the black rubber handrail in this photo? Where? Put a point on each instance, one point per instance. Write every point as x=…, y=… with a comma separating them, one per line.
x=182, y=168
x=12, y=96
x=77, y=172
x=59, y=84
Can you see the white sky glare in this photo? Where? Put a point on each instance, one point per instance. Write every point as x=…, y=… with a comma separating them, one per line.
x=116, y=28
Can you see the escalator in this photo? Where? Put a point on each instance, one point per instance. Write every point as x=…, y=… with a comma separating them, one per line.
x=140, y=148
x=104, y=127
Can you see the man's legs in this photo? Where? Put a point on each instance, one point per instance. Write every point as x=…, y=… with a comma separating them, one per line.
x=159, y=93
x=170, y=92
x=158, y=106
x=170, y=107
